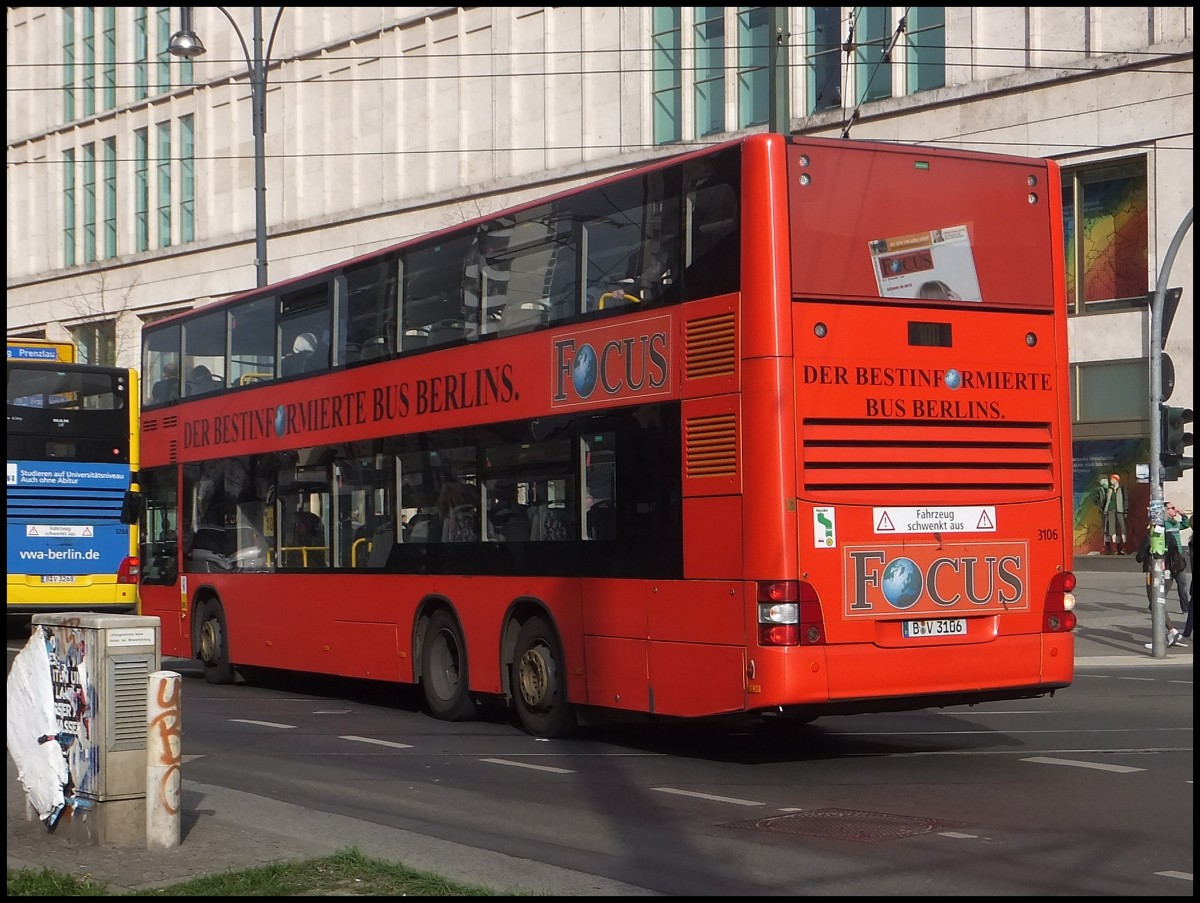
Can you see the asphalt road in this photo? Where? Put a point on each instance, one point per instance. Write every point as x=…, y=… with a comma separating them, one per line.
x=1087, y=792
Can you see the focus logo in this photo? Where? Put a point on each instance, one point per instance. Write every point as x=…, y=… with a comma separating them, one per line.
x=906, y=264
x=629, y=360
x=938, y=579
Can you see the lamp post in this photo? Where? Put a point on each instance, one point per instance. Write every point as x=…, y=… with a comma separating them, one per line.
x=186, y=43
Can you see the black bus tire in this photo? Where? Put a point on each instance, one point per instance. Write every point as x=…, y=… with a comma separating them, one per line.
x=445, y=678
x=539, y=682
x=214, y=644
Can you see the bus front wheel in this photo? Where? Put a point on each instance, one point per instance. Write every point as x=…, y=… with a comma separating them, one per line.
x=540, y=693
x=214, y=645
x=444, y=676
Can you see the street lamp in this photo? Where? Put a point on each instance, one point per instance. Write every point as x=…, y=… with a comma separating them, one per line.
x=187, y=44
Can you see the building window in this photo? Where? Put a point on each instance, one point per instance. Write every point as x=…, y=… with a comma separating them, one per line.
x=141, y=54
x=187, y=178
x=163, y=165
x=872, y=70
x=89, y=203
x=141, y=189
x=109, y=72
x=822, y=60
x=709, y=30
x=96, y=342
x=162, y=68
x=754, y=56
x=667, y=77
x=69, y=208
x=110, y=197
x=1106, y=224
x=89, y=61
x=68, y=65
x=1104, y=392
x=925, y=64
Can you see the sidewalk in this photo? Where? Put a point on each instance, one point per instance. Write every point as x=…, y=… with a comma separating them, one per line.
x=229, y=830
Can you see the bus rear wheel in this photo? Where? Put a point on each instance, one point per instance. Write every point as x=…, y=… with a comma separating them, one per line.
x=444, y=676
x=214, y=645
x=540, y=688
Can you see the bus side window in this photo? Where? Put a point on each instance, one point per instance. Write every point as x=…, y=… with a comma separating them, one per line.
x=304, y=330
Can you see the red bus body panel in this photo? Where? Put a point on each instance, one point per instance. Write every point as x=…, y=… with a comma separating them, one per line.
x=857, y=414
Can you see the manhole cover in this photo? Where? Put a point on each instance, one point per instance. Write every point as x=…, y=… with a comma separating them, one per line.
x=849, y=824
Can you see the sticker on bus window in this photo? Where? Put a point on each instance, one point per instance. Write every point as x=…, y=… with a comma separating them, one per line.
x=934, y=265
x=824, y=528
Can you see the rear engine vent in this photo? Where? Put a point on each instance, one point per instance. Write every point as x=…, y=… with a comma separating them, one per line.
x=711, y=347
x=711, y=446
x=885, y=458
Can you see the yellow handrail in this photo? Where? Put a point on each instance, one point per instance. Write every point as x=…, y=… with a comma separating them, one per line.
x=304, y=550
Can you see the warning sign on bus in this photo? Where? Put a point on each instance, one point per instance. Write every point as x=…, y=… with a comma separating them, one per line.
x=969, y=519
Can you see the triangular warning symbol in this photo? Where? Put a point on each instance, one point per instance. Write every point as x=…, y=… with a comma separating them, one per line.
x=985, y=522
x=885, y=524
x=87, y=531
x=33, y=531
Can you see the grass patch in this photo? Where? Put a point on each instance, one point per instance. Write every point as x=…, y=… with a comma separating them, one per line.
x=348, y=873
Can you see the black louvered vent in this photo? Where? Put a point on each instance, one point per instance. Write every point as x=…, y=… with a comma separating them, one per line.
x=881, y=456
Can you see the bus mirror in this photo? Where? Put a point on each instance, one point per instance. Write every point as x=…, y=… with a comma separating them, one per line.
x=131, y=508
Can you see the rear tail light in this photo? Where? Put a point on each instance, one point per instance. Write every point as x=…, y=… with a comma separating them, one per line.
x=128, y=571
x=1060, y=604
x=789, y=614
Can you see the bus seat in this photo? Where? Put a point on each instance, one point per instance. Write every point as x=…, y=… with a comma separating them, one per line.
x=518, y=317
x=447, y=331
x=416, y=337
x=376, y=347
x=420, y=528
x=381, y=546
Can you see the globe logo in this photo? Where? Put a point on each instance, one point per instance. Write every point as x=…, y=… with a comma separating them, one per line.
x=280, y=421
x=902, y=583
x=583, y=371
x=953, y=379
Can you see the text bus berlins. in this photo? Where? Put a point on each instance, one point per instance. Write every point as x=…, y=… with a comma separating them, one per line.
x=779, y=426
x=72, y=501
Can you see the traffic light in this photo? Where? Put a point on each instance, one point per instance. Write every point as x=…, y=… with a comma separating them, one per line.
x=1175, y=447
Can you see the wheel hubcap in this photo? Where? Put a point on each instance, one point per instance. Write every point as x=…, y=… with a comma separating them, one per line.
x=210, y=640
x=534, y=677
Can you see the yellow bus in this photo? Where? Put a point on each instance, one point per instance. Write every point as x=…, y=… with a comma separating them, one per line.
x=72, y=499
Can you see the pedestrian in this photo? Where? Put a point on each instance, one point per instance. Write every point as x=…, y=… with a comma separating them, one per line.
x=1113, y=507
x=1177, y=562
x=1191, y=523
x=1146, y=558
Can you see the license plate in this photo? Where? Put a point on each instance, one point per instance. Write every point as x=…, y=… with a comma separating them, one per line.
x=935, y=627
x=57, y=578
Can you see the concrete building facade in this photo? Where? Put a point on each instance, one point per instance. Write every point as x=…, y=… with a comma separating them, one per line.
x=131, y=172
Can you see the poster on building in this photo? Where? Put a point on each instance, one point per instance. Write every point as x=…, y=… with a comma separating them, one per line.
x=935, y=265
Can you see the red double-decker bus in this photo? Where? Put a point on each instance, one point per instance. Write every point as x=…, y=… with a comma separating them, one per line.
x=779, y=426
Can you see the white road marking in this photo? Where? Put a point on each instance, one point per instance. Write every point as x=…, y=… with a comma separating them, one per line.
x=1182, y=876
x=378, y=742
x=708, y=796
x=549, y=768
x=958, y=835
x=286, y=727
x=1099, y=766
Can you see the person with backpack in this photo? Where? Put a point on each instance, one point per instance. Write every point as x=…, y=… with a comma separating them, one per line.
x=1146, y=557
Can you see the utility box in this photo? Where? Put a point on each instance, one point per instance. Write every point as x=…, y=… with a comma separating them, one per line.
x=99, y=670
